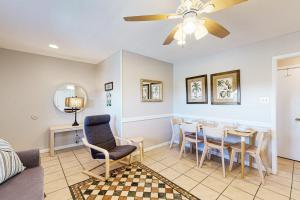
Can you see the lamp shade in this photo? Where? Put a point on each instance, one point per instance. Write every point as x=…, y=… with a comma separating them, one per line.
x=74, y=102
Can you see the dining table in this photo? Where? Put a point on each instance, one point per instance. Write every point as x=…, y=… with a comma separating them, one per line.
x=243, y=134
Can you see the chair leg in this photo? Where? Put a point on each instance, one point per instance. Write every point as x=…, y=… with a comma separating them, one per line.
x=209, y=154
x=223, y=163
x=232, y=155
x=172, y=140
x=182, y=149
x=197, y=157
x=107, y=169
x=130, y=159
x=259, y=166
x=203, y=155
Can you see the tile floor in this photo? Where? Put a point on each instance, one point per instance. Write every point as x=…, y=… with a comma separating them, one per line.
x=206, y=183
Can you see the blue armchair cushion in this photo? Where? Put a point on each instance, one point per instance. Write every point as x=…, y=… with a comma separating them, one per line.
x=117, y=153
x=98, y=133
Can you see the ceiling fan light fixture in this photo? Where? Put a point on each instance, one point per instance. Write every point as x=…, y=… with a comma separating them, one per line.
x=200, y=32
x=181, y=42
x=208, y=8
x=179, y=35
x=189, y=25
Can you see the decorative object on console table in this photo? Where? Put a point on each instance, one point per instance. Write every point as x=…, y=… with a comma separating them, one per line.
x=75, y=103
x=225, y=88
x=109, y=86
x=196, y=90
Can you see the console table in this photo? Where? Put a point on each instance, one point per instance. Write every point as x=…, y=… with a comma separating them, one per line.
x=61, y=129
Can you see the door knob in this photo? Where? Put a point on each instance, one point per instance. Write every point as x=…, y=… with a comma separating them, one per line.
x=297, y=119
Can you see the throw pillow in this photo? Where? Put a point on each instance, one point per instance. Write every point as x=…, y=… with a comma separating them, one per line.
x=10, y=163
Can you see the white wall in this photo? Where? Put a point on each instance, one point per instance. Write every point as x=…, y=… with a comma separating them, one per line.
x=109, y=70
x=255, y=63
x=135, y=112
x=27, y=84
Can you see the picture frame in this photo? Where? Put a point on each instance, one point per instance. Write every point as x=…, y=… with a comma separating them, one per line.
x=226, y=88
x=196, y=90
x=108, y=86
x=146, y=91
x=155, y=90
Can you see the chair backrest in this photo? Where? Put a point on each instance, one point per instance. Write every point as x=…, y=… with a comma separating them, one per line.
x=260, y=141
x=228, y=125
x=189, y=127
x=175, y=121
x=97, y=132
x=210, y=123
x=213, y=133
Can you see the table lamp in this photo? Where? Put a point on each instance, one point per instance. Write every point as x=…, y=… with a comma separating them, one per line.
x=75, y=103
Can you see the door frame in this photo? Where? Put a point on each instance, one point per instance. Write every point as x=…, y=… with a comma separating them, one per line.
x=274, y=106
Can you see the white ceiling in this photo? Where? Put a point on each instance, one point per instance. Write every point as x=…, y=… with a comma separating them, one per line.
x=91, y=30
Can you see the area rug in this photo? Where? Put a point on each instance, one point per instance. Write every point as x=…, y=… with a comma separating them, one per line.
x=132, y=182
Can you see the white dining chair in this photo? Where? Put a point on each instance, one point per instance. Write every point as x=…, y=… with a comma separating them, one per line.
x=190, y=133
x=175, y=122
x=254, y=151
x=214, y=139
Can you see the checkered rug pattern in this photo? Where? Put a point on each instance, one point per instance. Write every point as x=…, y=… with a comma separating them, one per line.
x=132, y=182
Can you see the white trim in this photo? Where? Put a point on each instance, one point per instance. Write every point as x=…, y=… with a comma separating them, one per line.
x=144, y=118
x=121, y=91
x=274, y=106
x=61, y=147
x=263, y=125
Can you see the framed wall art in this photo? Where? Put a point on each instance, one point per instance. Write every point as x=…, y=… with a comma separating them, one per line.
x=196, y=90
x=225, y=88
x=109, y=86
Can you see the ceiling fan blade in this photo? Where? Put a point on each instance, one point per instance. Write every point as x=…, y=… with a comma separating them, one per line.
x=215, y=29
x=171, y=35
x=222, y=4
x=152, y=17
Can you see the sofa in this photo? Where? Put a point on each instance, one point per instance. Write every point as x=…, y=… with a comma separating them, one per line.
x=27, y=185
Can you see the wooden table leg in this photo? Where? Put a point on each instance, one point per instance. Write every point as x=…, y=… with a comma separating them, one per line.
x=51, y=143
x=252, y=142
x=180, y=139
x=141, y=146
x=243, y=149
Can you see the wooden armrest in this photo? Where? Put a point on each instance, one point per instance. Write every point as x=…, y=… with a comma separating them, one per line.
x=104, y=151
x=124, y=140
x=136, y=139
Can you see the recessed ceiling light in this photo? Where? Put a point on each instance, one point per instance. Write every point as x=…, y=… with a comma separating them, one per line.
x=53, y=46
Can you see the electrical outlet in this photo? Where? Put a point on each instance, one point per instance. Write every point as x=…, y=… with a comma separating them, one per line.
x=264, y=100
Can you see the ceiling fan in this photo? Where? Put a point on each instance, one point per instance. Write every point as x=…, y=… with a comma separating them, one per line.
x=190, y=11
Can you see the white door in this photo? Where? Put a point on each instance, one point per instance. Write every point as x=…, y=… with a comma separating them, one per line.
x=288, y=114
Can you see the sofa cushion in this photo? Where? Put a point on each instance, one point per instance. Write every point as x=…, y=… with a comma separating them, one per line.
x=27, y=185
x=10, y=163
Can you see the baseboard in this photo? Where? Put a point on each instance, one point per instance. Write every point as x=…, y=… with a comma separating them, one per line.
x=156, y=146
x=61, y=147
x=80, y=144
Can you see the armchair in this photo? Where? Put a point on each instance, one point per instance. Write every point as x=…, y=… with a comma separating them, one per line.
x=99, y=138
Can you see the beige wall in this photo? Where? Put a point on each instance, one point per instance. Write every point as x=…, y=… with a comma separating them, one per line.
x=255, y=63
x=136, y=67
x=27, y=84
x=109, y=70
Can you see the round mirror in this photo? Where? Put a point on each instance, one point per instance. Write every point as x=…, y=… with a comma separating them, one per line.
x=66, y=92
